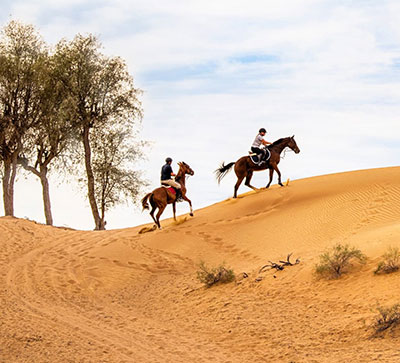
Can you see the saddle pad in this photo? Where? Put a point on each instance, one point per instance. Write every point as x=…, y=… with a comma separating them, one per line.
x=254, y=157
x=172, y=190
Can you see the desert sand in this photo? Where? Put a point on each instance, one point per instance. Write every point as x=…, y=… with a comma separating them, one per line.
x=120, y=296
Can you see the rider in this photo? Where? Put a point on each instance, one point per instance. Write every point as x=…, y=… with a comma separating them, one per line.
x=166, y=178
x=258, y=141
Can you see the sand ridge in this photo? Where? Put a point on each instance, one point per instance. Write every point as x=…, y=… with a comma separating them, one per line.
x=120, y=296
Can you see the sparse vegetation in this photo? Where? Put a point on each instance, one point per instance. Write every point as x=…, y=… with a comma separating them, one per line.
x=281, y=265
x=211, y=276
x=390, y=261
x=387, y=317
x=335, y=261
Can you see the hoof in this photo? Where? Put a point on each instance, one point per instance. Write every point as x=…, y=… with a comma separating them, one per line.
x=191, y=214
x=281, y=184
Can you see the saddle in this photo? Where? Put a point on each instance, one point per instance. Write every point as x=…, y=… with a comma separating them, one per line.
x=168, y=187
x=173, y=191
x=256, y=158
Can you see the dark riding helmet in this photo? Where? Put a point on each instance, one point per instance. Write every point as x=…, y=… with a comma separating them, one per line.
x=262, y=130
x=168, y=160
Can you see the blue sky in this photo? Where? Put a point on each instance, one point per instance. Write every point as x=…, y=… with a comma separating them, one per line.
x=214, y=72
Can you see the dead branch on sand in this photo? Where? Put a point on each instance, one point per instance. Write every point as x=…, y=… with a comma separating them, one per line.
x=281, y=265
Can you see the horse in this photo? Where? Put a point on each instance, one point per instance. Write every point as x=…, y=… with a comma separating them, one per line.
x=244, y=167
x=161, y=197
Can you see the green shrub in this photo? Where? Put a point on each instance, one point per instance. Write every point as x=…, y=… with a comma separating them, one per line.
x=390, y=261
x=211, y=276
x=386, y=318
x=335, y=261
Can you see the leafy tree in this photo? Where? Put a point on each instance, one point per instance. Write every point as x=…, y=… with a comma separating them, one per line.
x=103, y=94
x=114, y=153
x=51, y=137
x=22, y=59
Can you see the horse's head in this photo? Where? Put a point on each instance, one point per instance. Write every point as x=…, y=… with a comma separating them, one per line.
x=186, y=169
x=292, y=144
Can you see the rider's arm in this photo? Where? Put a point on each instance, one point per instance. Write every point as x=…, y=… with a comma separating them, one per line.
x=266, y=142
x=172, y=173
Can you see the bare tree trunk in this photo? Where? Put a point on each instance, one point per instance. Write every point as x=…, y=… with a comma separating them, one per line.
x=103, y=211
x=91, y=195
x=46, y=197
x=42, y=175
x=7, y=194
x=10, y=172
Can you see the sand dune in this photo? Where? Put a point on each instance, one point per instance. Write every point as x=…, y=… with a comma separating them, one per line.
x=120, y=296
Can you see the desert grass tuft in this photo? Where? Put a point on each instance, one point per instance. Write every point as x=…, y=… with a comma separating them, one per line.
x=390, y=261
x=386, y=318
x=212, y=275
x=335, y=261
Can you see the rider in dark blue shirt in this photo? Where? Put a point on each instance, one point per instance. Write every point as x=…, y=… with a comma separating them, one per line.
x=166, y=177
x=166, y=172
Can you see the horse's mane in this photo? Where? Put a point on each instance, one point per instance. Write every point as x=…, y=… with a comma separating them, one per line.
x=277, y=142
x=178, y=177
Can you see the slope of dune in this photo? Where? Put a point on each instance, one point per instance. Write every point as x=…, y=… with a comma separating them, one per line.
x=120, y=296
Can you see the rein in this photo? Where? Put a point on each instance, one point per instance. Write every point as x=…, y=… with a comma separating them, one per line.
x=284, y=150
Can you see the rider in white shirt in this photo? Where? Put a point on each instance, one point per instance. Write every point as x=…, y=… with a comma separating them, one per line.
x=258, y=141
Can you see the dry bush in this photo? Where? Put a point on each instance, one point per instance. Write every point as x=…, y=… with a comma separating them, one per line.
x=211, y=276
x=335, y=261
x=387, y=317
x=390, y=261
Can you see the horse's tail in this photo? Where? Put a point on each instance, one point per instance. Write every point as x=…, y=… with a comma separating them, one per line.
x=145, y=205
x=222, y=171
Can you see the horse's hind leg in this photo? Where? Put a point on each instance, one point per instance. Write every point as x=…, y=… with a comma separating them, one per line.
x=160, y=211
x=248, y=178
x=153, y=209
x=237, y=185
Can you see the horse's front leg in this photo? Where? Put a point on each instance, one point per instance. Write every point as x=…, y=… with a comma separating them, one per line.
x=271, y=173
x=190, y=203
x=174, y=210
x=275, y=166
